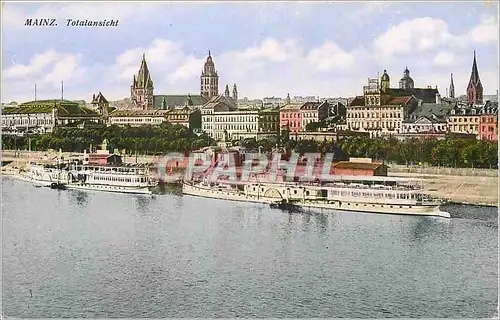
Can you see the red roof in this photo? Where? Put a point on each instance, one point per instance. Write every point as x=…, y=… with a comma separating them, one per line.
x=399, y=100
x=358, y=101
x=101, y=156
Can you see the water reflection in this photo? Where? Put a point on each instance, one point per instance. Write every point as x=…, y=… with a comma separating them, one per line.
x=424, y=227
x=81, y=198
x=142, y=203
x=321, y=220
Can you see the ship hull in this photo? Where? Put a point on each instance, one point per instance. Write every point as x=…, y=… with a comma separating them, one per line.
x=109, y=188
x=321, y=205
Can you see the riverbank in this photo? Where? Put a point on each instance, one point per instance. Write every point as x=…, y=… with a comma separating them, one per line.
x=459, y=185
x=458, y=189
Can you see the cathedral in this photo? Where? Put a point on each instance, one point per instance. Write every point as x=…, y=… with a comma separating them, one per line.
x=142, y=97
x=141, y=90
x=407, y=88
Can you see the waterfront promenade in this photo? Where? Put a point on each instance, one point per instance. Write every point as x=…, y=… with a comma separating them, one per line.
x=461, y=185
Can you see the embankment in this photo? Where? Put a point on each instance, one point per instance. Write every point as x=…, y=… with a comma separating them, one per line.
x=460, y=185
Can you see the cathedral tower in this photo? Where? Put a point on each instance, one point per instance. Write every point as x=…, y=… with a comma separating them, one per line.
x=235, y=94
x=452, y=88
x=209, y=79
x=475, y=88
x=406, y=81
x=385, y=81
x=141, y=90
x=226, y=92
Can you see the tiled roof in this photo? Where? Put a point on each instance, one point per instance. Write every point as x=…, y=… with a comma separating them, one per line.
x=99, y=99
x=431, y=111
x=357, y=165
x=310, y=105
x=220, y=100
x=26, y=110
x=425, y=94
x=74, y=111
x=65, y=108
x=357, y=101
x=399, y=100
x=291, y=106
x=178, y=100
x=138, y=113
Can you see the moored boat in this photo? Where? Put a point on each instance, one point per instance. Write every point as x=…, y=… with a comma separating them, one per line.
x=121, y=179
x=366, y=194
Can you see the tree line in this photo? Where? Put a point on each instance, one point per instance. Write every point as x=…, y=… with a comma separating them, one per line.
x=157, y=140
x=150, y=140
x=452, y=152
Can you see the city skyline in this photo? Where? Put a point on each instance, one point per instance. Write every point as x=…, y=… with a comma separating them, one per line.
x=294, y=48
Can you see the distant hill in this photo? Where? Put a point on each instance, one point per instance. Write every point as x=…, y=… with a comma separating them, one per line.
x=121, y=104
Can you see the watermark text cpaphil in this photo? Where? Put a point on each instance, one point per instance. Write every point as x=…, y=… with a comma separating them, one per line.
x=52, y=22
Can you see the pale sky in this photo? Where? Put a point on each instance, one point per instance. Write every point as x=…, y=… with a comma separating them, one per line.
x=268, y=49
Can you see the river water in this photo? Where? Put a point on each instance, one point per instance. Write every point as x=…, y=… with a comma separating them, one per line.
x=90, y=254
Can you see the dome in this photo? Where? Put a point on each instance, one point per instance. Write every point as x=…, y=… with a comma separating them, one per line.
x=385, y=76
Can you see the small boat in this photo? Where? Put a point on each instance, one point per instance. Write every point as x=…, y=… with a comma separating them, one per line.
x=285, y=206
x=57, y=186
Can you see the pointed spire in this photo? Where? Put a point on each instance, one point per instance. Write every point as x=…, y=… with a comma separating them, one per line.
x=474, y=77
x=452, y=87
x=226, y=92
x=209, y=53
x=164, y=103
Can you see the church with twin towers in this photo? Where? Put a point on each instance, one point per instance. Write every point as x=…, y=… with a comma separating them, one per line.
x=142, y=90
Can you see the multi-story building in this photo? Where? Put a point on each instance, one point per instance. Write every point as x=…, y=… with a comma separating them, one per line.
x=291, y=118
x=488, y=122
x=377, y=112
x=43, y=116
x=464, y=120
x=18, y=120
x=137, y=118
x=269, y=121
x=223, y=121
x=141, y=90
x=187, y=116
x=428, y=118
x=382, y=110
x=314, y=112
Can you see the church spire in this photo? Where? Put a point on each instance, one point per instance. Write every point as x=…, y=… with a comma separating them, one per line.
x=144, y=77
x=235, y=93
x=475, y=88
x=226, y=92
x=452, y=88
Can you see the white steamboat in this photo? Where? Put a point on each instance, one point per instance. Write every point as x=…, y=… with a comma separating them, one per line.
x=363, y=194
x=122, y=179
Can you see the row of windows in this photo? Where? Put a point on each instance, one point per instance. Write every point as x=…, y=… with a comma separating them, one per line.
x=464, y=127
x=135, y=120
x=120, y=179
x=286, y=115
x=35, y=122
x=235, y=127
x=454, y=119
x=374, y=125
x=374, y=115
x=385, y=108
x=489, y=120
